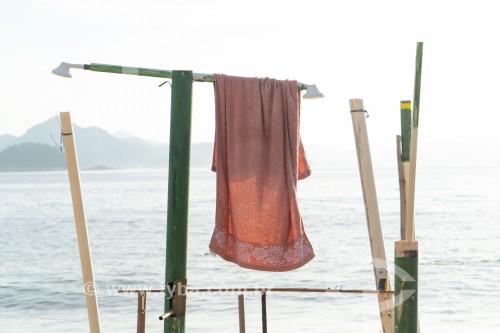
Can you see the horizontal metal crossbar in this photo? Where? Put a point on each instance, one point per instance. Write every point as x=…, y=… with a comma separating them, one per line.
x=263, y=290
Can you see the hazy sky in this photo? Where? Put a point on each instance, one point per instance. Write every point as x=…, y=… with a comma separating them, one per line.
x=350, y=49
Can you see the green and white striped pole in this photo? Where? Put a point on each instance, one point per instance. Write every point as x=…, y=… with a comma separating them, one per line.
x=64, y=70
x=140, y=71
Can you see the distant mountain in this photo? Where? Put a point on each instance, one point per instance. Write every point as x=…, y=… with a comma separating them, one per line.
x=6, y=140
x=129, y=137
x=41, y=133
x=31, y=157
x=95, y=148
x=122, y=134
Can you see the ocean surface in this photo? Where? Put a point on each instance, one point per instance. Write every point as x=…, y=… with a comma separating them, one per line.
x=458, y=230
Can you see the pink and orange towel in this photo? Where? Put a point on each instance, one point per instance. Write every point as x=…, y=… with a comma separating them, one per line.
x=258, y=157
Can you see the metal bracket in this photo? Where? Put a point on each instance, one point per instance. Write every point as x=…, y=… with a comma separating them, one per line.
x=178, y=291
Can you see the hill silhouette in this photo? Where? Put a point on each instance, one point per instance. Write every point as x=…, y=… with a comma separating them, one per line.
x=96, y=148
x=31, y=157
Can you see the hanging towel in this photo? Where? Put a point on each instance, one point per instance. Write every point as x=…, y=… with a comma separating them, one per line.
x=258, y=157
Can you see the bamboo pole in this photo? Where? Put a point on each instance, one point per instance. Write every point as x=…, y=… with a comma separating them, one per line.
x=402, y=183
x=379, y=258
x=414, y=141
x=178, y=197
x=80, y=222
x=405, y=107
x=411, y=178
x=406, y=251
x=417, y=83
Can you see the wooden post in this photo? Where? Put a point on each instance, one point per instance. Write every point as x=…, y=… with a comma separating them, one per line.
x=178, y=198
x=379, y=258
x=80, y=222
x=241, y=312
x=402, y=187
x=141, y=312
x=411, y=179
x=264, y=312
x=413, y=143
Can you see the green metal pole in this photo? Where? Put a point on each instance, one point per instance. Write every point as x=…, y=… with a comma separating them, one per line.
x=406, y=287
x=405, y=107
x=178, y=195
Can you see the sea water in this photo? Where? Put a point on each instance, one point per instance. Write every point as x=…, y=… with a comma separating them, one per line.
x=41, y=282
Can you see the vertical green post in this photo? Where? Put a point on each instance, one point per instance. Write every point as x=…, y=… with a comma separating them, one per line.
x=404, y=164
x=406, y=250
x=406, y=287
x=178, y=197
x=405, y=130
x=416, y=87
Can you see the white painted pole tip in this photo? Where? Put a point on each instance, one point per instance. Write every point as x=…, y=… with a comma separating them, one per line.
x=63, y=69
x=313, y=92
